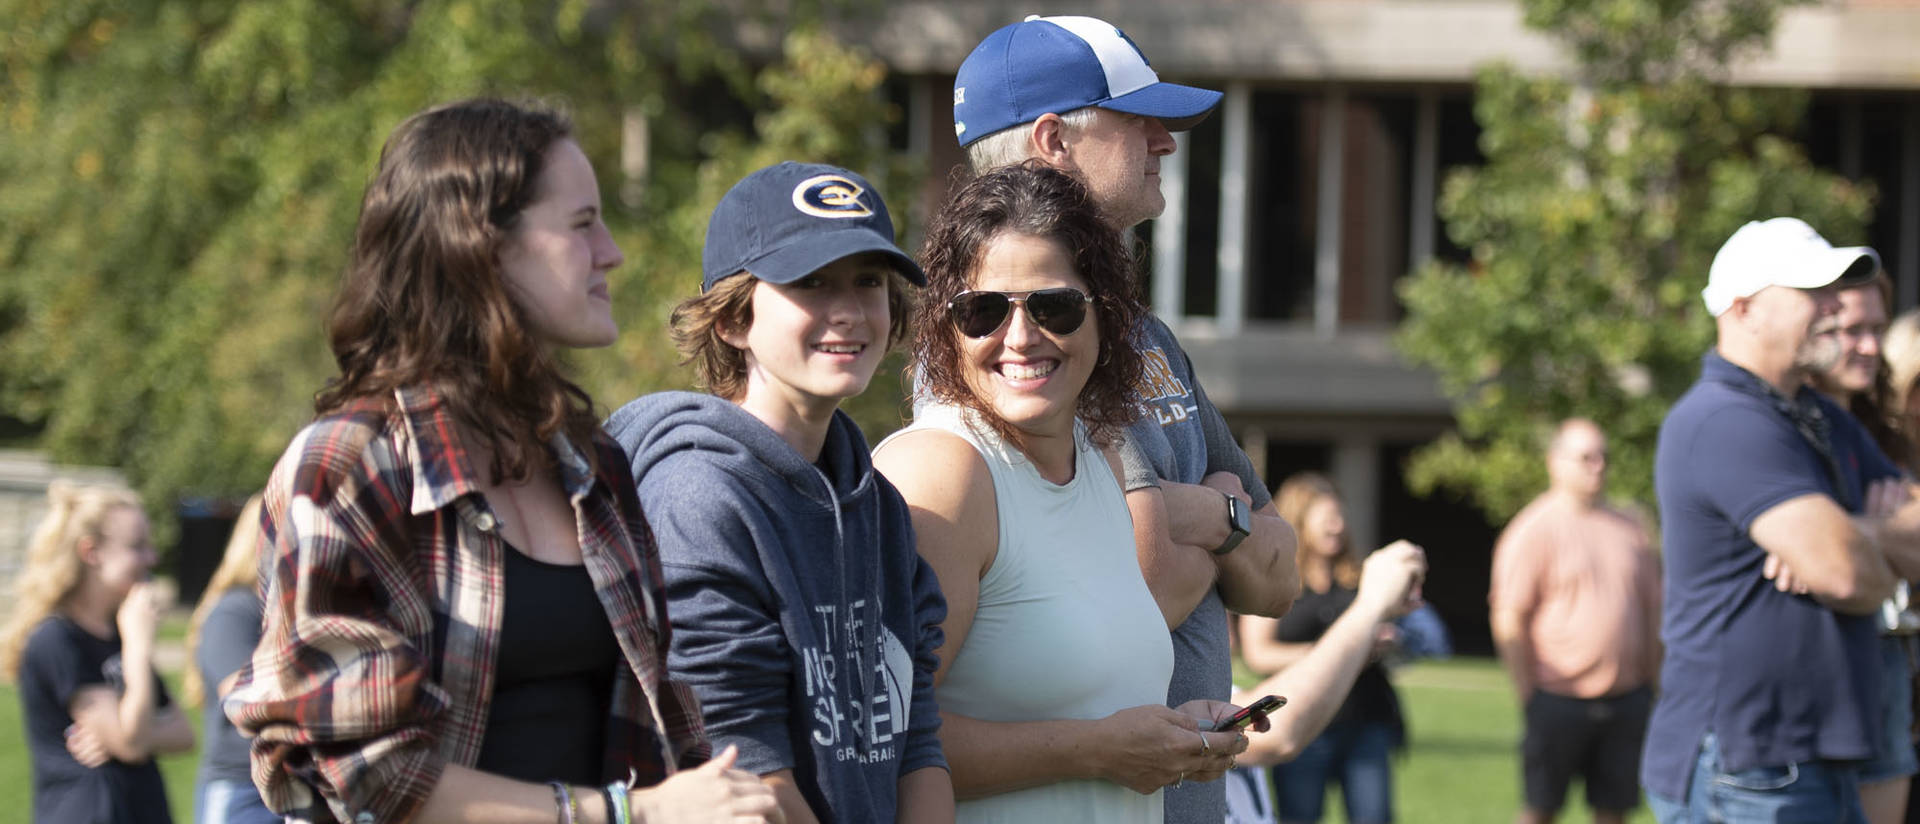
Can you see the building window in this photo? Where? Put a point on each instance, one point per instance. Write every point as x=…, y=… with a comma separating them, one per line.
x=1200, y=257
x=1376, y=174
x=1286, y=459
x=1283, y=177
x=1333, y=193
x=1875, y=138
x=1457, y=143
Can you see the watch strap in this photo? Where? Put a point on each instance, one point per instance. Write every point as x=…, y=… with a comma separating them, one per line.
x=1239, y=523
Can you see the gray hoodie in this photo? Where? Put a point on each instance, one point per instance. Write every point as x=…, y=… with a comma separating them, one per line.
x=801, y=614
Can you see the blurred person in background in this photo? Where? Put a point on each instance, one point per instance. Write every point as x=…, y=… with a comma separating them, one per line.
x=1317, y=684
x=1356, y=748
x=1901, y=352
x=464, y=611
x=1858, y=382
x=1574, y=604
x=79, y=645
x=1901, y=408
x=220, y=639
x=1864, y=380
x=1056, y=658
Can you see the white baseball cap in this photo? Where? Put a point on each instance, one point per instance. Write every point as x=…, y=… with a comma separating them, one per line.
x=1784, y=251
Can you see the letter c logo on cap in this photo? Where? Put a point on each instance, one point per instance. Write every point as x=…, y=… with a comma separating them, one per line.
x=830, y=196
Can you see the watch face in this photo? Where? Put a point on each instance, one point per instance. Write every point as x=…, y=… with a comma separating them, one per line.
x=1239, y=524
x=1237, y=512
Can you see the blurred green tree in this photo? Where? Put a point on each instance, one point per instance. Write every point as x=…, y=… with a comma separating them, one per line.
x=1591, y=225
x=179, y=181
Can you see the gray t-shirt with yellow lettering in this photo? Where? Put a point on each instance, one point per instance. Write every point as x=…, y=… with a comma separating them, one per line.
x=1181, y=437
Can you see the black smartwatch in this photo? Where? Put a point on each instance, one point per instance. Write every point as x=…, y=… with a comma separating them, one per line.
x=1239, y=525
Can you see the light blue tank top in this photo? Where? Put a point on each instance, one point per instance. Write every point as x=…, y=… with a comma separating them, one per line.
x=1065, y=627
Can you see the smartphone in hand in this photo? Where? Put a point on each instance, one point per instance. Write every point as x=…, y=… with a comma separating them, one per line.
x=1246, y=717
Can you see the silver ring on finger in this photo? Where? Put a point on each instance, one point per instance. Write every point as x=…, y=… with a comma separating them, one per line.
x=1205, y=748
x=1181, y=780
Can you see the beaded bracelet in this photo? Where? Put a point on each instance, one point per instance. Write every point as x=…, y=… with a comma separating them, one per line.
x=563, y=799
x=618, y=804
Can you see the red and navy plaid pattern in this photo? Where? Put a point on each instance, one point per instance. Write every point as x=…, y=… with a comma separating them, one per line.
x=382, y=575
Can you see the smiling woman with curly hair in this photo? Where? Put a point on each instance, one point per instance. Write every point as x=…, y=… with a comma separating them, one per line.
x=1053, y=676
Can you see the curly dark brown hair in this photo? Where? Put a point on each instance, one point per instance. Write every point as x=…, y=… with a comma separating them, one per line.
x=423, y=300
x=1036, y=200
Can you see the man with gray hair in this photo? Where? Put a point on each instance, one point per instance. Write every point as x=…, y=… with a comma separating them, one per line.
x=1077, y=94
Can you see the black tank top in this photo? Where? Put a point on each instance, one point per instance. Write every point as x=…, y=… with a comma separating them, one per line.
x=553, y=691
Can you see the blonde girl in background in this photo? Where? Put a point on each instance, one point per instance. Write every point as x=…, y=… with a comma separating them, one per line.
x=79, y=646
x=1901, y=405
x=220, y=638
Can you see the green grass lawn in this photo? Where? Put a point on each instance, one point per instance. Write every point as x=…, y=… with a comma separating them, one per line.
x=14, y=768
x=1462, y=767
x=1462, y=764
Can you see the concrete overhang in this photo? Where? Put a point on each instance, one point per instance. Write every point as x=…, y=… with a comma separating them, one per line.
x=1286, y=370
x=1854, y=45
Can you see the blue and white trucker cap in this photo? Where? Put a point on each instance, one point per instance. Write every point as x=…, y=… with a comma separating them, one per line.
x=1058, y=64
x=788, y=220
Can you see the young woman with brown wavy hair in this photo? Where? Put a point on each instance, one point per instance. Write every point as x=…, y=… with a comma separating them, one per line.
x=79, y=644
x=1053, y=676
x=464, y=618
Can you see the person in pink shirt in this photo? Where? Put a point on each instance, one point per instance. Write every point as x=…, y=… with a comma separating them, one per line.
x=1575, y=608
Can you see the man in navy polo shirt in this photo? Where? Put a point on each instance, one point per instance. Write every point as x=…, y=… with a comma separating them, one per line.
x=1078, y=94
x=1767, y=696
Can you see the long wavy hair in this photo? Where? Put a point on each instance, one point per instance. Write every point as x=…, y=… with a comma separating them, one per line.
x=239, y=569
x=1298, y=494
x=1900, y=352
x=1036, y=200
x=53, y=568
x=423, y=301
x=1875, y=408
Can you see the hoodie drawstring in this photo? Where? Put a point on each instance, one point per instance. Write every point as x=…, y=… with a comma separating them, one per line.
x=868, y=639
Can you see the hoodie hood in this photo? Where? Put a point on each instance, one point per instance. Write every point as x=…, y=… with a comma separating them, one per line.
x=657, y=426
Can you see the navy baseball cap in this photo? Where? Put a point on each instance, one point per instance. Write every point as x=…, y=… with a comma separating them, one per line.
x=788, y=220
x=1058, y=64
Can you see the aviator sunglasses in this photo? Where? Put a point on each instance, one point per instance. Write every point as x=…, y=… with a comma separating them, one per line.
x=979, y=314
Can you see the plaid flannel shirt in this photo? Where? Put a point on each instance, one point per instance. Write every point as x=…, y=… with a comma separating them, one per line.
x=382, y=575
